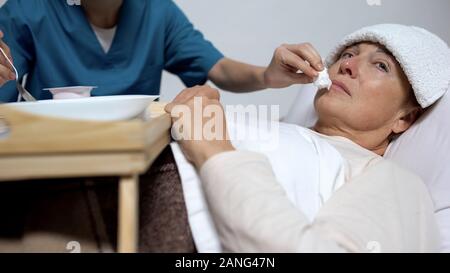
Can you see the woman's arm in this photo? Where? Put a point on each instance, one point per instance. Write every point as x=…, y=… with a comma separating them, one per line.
x=252, y=212
x=385, y=209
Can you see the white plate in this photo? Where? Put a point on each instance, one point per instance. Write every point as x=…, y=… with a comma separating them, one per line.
x=107, y=108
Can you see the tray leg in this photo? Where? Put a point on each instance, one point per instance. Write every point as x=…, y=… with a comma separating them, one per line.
x=128, y=214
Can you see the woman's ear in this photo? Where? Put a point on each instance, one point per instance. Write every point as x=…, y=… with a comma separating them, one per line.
x=406, y=120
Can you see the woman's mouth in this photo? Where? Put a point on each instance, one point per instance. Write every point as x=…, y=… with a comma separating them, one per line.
x=340, y=86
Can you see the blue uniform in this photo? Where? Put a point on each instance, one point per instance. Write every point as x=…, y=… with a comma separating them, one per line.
x=55, y=44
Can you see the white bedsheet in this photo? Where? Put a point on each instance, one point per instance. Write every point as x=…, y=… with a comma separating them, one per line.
x=307, y=167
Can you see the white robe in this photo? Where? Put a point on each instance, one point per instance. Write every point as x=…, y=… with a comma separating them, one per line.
x=306, y=166
x=307, y=169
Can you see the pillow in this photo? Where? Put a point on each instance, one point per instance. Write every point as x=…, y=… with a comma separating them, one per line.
x=423, y=149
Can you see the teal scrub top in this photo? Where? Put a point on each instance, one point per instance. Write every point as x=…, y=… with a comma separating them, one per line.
x=54, y=43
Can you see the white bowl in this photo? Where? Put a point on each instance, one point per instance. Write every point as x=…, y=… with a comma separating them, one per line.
x=71, y=92
x=109, y=108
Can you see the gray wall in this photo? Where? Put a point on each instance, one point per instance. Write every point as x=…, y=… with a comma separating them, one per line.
x=250, y=30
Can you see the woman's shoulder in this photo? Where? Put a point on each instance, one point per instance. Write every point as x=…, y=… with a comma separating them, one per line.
x=392, y=181
x=392, y=171
x=386, y=204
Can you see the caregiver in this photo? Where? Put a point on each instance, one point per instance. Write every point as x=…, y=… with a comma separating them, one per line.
x=122, y=47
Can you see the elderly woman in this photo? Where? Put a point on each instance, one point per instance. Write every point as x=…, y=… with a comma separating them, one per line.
x=381, y=84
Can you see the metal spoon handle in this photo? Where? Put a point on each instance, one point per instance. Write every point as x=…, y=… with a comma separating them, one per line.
x=24, y=93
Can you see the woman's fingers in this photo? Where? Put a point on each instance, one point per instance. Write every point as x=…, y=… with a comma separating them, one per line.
x=204, y=90
x=190, y=125
x=190, y=93
x=184, y=95
x=200, y=136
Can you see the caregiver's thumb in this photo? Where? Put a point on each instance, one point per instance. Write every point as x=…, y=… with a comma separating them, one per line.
x=6, y=71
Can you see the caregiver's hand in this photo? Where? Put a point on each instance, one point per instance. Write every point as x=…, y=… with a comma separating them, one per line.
x=6, y=72
x=288, y=60
x=192, y=131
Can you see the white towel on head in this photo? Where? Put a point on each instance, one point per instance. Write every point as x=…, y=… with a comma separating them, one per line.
x=424, y=57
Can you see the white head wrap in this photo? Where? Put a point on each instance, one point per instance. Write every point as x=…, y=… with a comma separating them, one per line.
x=424, y=57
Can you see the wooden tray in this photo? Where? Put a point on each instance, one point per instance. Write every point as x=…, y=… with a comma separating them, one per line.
x=41, y=146
x=32, y=134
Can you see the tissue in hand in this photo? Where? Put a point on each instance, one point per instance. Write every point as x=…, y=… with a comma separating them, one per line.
x=323, y=80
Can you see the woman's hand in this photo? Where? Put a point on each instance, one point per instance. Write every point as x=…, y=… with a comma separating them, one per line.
x=199, y=124
x=293, y=64
x=6, y=72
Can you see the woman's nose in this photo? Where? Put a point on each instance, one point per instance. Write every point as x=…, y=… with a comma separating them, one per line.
x=350, y=67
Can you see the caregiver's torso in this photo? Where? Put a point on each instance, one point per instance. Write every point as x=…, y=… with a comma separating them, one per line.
x=55, y=44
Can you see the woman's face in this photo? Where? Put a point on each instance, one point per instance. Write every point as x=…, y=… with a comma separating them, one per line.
x=369, y=90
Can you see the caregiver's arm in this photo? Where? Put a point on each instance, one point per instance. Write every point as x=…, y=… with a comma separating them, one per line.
x=236, y=76
x=17, y=35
